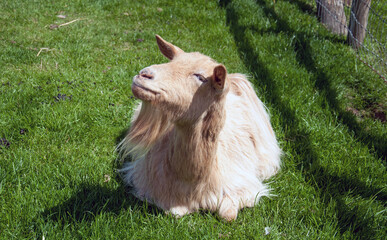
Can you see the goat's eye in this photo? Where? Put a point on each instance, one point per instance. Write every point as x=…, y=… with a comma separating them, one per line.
x=200, y=77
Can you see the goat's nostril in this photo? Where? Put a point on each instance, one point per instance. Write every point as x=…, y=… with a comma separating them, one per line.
x=146, y=73
x=147, y=76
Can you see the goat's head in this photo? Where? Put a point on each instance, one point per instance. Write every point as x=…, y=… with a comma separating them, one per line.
x=184, y=87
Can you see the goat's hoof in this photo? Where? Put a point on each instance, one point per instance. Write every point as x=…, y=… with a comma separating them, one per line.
x=229, y=214
x=178, y=211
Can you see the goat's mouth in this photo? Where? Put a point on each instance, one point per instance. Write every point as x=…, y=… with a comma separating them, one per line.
x=142, y=92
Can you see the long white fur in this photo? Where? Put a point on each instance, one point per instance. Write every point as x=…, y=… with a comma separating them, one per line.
x=246, y=154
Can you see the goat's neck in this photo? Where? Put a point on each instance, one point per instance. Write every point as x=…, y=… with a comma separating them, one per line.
x=193, y=153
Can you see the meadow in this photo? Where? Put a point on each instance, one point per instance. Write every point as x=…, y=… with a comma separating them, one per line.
x=65, y=103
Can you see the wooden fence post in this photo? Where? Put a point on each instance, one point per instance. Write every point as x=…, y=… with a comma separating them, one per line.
x=331, y=14
x=358, y=22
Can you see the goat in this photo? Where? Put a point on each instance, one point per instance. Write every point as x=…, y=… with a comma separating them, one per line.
x=200, y=137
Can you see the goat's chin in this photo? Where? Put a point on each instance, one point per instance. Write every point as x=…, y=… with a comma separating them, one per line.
x=143, y=93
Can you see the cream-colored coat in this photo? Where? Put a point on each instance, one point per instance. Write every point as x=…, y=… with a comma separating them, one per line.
x=200, y=138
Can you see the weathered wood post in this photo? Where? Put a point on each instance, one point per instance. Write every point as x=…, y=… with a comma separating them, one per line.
x=331, y=14
x=358, y=22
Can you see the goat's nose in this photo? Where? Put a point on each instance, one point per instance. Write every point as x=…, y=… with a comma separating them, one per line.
x=147, y=73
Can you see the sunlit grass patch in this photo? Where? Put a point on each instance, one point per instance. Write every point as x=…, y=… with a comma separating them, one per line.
x=65, y=101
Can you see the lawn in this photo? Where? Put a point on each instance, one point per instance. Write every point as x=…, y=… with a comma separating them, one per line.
x=65, y=103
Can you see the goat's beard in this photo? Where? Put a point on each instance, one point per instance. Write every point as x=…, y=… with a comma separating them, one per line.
x=148, y=125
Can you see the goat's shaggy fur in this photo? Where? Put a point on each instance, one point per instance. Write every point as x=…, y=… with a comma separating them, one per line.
x=200, y=138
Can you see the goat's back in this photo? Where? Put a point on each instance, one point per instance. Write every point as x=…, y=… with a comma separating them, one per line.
x=247, y=143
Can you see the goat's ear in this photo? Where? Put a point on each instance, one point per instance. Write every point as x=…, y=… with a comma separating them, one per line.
x=168, y=49
x=219, y=77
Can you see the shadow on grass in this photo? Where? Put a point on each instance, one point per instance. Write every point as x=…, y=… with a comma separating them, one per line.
x=330, y=187
x=323, y=84
x=122, y=135
x=93, y=200
x=306, y=8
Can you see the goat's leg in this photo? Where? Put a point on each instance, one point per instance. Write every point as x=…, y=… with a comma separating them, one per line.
x=228, y=209
x=178, y=211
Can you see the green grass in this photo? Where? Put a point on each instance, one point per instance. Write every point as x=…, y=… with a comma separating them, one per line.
x=376, y=38
x=63, y=112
